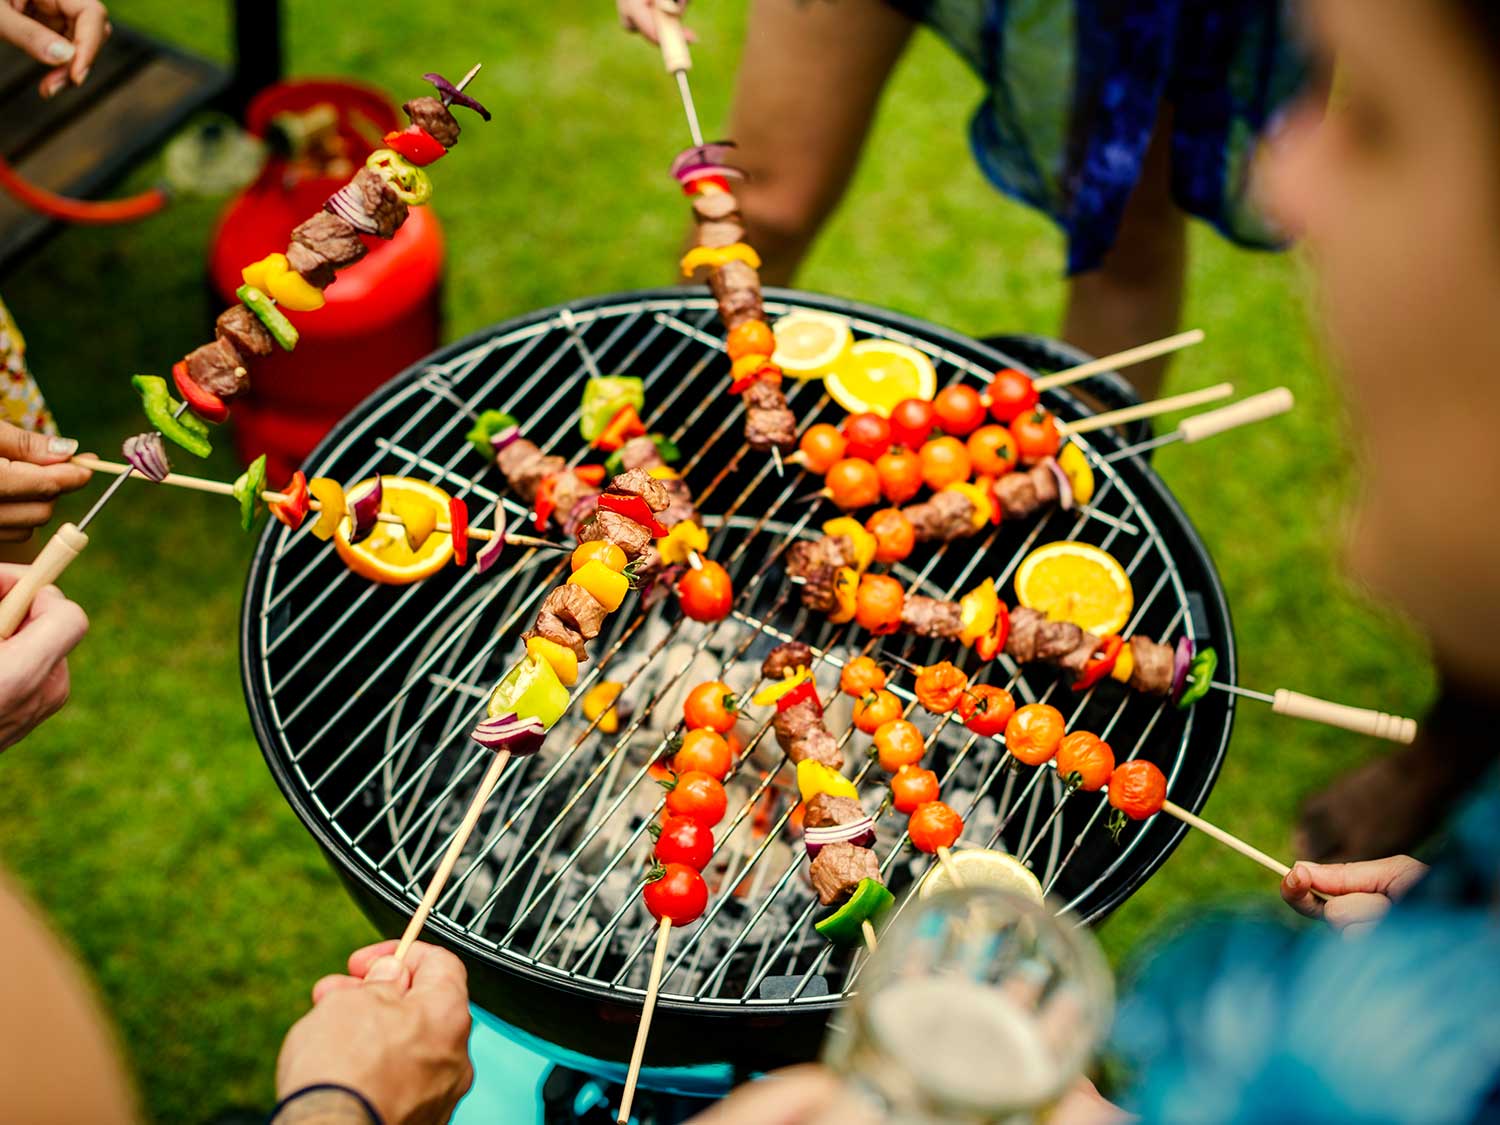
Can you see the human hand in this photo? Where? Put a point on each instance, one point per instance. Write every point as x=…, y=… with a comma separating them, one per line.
x=34, y=470
x=33, y=662
x=1358, y=894
x=399, y=1034
x=640, y=16
x=65, y=33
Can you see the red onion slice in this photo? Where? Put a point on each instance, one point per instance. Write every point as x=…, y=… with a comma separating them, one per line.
x=1181, y=660
x=1064, y=485
x=147, y=454
x=451, y=94
x=703, y=171
x=520, y=736
x=860, y=833
x=348, y=204
x=364, y=512
x=504, y=437
x=489, y=554
x=580, y=513
x=695, y=156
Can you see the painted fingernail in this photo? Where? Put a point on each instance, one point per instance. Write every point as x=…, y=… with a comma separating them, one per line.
x=59, y=50
x=63, y=446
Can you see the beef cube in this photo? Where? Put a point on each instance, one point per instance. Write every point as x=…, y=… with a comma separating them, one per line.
x=771, y=429
x=527, y=480
x=623, y=532
x=736, y=286
x=838, y=869
x=827, y=811
x=1044, y=480
x=1017, y=495
x=949, y=515
x=431, y=114
x=568, y=491
x=553, y=628
x=783, y=658
x=310, y=265
x=216, y=368
x=764, y=394
x=1057, y=639
x=1152, y=672
x=1025, y=627
x=379, y=201
x=331, y=238
x=242, y=330
x=929, y=617
x=514, y=456
x=637, y=482
x=576, y=608
x=819, y=746
x=794, y=723
x=1082, y=653
x=640, y=453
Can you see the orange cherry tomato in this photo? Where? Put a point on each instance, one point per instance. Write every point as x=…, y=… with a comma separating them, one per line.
x=861, y=676
x=754, y=337
x=705, y=751
x=986, y=709
x=1033, y=733
x=706, y=592
x=878, y=602
x=940, y=686
x=911, y=787
x=821, y=446
x=894, y=535
x=879, y=706
x=711, y=706
x=992, y=450
x=945, y=461
x=934, y=825
x=898, y=743
x=1085, y=760
x=1138, y=789
x=853, y=483
x=959, y=409
x=912, y=422
x=698, y=796
x=900, y=473
x=1011, y=395
x=868, y=436
x=1036, y=435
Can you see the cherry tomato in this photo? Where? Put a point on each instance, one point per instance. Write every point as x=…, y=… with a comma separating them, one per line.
x=1085, y=760
x=958, y=409
x=821, y=446
x=861, y=676
x=1036, y=436
x=986, y=709
x=706, y=592
x=711, y=705
x=1033, y=733
x=940, y=686
x=878, y=602
x=703, y=751
x=1138, y=789
x=1011, y=395
x=912, y=422
x=867, y=436
x=678, y=893
x=934, y=825
x=698, y=796
x=900, y=473
x=853, y=483
x=754, y=337
x=683, y=840
x=911, y=787
x=945, y=461
x=879, y=706
x=992, y=450
x=894, y=535
x=898, y=743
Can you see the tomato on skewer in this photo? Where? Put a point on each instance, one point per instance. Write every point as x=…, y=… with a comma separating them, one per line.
x=675, y=892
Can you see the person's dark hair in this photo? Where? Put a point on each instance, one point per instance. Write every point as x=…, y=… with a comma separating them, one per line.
x=1484, y=17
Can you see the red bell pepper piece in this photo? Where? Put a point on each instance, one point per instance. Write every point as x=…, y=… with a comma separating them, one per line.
x=696, y=186
x=458, y=528
x=590, y=474
x=992, y=643
x=743, y=384
x=207, y=405
x=634, y=508
x=416, y=144
x=298, y=503
x=543, y=506
x=625, y=425
x=803, y=692
x=1102, y=664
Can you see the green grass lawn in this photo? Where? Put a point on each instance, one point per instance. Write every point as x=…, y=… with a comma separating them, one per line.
x=143, y=819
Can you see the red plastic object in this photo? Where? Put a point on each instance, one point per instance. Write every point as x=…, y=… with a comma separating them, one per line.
x=383, y=313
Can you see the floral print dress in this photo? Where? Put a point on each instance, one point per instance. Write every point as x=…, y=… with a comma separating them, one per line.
x=21, y=402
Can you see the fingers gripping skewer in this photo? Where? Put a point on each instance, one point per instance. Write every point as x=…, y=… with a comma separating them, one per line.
x=653, y=986
x=1256, y=408
x=1119, y=360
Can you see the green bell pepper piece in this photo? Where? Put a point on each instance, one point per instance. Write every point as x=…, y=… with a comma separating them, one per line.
x=188, y=431
x=247, y=490
x=1199, y=678
x=845, y=926
x=489, y=423
x=530, y=690
x=282, y=330
x=613, y=464
x=602, y=400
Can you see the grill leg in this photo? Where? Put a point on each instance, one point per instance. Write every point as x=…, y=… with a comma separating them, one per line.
x=257, y=51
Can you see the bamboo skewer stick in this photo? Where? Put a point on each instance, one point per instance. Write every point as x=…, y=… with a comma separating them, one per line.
x=1227, y=839
x=1120, y=360
x=653, y=986
x=945, y=857
x=1147, y=409
x=869, y=931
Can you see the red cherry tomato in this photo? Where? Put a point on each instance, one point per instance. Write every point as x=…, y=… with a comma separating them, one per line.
x=912, y=422
x=698, y=796
x=683, y=840
x=704, y=751
x=1036, y=436
x=866, y=436
x=1011, y=395
x=706, y=593
x=678, y=893
x=959, y=409
x=986, y=709
x=911, y=787
x=711, y=705
x=853, y=483
x=1138, y=789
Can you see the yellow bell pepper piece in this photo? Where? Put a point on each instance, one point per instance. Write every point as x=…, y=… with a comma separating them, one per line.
x=291, y=290
x=562, y=659
x=677, y=546
x=599, y=703
x=792, y=679
x=330, y=497
x=1075, y=467
x=814, y=778
x=978, y=610
x=258, y=274
x=607, y=587
x=845, y=585
x=1124, y=665
x=980, y=500
x=663, y=472
x=864, y=541
x=419, y=522
x=711, y=256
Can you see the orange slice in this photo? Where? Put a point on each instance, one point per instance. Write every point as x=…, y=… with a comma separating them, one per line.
x=1076, y=582
x=385, y=555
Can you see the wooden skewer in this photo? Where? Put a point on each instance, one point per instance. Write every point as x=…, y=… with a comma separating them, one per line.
x=1120, y=359
x=1147, y=409
x=653, y=986
x=945, y=857
x=869, y=931
x=1227, y=839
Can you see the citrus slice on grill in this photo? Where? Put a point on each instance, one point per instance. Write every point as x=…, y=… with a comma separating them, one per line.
x=385, y=555
x=1075, y=582
x=979, y=867
x=877, y=374
x=811, y=344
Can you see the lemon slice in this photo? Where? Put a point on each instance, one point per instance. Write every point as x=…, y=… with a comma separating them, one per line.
x=877, y=374
x=978, y=867
x=1075, y=582
x=385, y=556
x=811, y=344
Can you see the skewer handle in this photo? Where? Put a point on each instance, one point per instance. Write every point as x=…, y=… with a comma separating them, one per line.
x=653, y=985
x=1376, y=724
x=1229, y=841
x=674, y=48
x=1120, y=359
x=1256, y=408
x=66, y=544
x=1149, y=409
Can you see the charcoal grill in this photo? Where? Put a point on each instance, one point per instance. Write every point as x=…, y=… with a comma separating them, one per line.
x=362, y=696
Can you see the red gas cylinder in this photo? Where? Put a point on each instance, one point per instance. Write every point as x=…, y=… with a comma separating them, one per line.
x=382, y=314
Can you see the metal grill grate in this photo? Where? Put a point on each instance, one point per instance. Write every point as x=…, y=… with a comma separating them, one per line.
x=363, y=695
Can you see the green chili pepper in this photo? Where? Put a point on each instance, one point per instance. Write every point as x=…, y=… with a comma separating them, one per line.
x=603, y=398
x=248, y=489
x=1199, y=678
x=411, y=184
x=188, y=431
x=281, y=329
x=488, y=424
x=845, y=926
x=667, y=449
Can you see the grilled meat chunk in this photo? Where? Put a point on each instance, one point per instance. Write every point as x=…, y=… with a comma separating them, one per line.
x=948, y=515
x=716, y=207
x=640, y=453
x=806, y=556
x=568, y=491
x=838, y=869
x=314, y=270
x=380, y=202
x=217, y=369
x=801, y=733
x=828, y=811
x=321, y=245
x=637, y=482
x=1055, y=639
x=554, y=628
x=431, y=114
x=1152, y=672
x=576, y=608
x=783, y=658
x=796, y=721
x=929, y=617
x=620, y=530
x=525, y=467
x=1023, y=493
x=817, y=591
x=680, y=506
x=818, y=745
x=242, y=330
x=736, y=286
x=768, y=420
x=1045, y=482
x=1025, y=627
